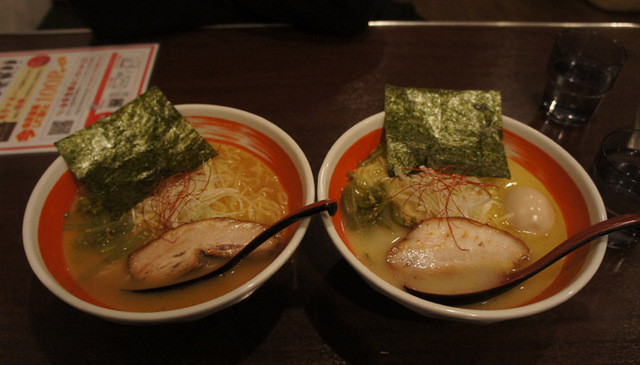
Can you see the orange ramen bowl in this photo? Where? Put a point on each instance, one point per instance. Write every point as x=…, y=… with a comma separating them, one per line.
x=568, y=183
x=56, y=190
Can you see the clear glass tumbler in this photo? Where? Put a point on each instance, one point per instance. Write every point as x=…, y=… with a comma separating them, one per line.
x=616, y=173
x=582, y=67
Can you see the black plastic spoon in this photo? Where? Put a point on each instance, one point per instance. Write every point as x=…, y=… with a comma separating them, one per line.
x=516, y=277
x=328, y=205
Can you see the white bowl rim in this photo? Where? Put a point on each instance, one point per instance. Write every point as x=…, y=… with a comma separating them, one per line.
x=581, y=178
x=58, y=167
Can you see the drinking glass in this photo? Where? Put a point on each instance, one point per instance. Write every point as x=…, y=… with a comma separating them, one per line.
x=582, y=67
x=616, y=173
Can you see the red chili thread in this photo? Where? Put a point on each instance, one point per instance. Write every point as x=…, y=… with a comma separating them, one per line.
x=164, y=203
x=444, y=181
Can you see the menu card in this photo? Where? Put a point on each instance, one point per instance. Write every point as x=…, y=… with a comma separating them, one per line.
x=46, y=95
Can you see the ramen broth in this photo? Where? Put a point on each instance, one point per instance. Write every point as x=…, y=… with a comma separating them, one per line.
x=104, y=282
x=372, y=245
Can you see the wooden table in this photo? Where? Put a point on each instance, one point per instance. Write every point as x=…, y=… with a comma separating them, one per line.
x=316, y=309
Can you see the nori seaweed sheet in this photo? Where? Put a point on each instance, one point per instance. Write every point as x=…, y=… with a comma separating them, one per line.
x=458, y=129
x=120, y=158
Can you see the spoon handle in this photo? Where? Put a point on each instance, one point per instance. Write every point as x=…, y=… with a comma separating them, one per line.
x=308, y=210
x=574, y=242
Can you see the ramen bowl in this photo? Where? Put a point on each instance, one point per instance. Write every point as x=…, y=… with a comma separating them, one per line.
x=566, y=181
x=56, y=189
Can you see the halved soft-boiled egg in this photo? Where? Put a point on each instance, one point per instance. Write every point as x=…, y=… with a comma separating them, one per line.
x=528, y=210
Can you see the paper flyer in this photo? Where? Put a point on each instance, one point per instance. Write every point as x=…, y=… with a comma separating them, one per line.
x=48, y=94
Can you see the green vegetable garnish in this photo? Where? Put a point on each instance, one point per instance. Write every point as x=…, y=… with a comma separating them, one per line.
x=461, y=130
x=365, y=199
x=120, y=158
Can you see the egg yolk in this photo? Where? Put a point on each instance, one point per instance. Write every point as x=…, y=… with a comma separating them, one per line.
x=528, y=210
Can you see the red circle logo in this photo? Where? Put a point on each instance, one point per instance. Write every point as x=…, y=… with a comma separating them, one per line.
x=38, y=61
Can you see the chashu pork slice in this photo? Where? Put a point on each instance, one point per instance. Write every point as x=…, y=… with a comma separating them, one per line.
x=449, y=255
x=191, y=246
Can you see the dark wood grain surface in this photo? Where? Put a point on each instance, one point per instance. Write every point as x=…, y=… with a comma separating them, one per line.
x=316, y=309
